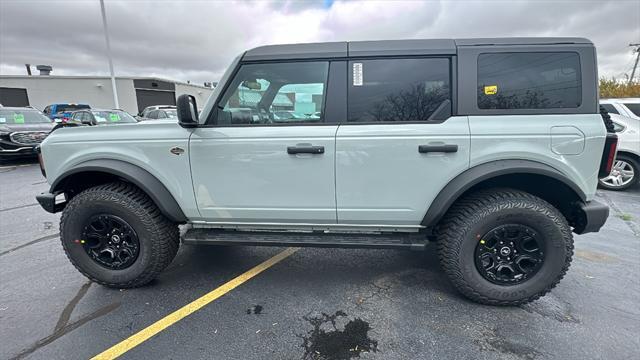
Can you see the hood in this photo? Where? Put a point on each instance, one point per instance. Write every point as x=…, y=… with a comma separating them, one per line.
x=27, y=127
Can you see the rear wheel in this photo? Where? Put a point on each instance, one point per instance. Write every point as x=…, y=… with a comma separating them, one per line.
x=115, y=235
x=625, y=173
x=504, y=247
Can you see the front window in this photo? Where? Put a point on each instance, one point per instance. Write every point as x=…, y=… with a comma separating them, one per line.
x=22, y=117
x=110, y=117
x=281, y=93
x=529, y=80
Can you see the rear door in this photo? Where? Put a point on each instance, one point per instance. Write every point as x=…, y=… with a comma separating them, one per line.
x=400, y=145
x=267, y=154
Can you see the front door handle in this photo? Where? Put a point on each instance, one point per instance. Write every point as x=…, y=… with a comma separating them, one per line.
x=305, y=149
x=446, y=148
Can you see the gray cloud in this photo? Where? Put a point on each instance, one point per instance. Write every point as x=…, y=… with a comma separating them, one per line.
x=196, y=40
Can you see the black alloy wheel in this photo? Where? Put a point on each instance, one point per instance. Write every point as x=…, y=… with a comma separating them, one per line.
x=509, y=254
x=110, y=241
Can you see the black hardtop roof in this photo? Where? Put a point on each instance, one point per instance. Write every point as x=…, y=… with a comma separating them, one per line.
x=392, y=47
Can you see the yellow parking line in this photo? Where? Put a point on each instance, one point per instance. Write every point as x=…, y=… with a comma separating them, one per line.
x=153, y=329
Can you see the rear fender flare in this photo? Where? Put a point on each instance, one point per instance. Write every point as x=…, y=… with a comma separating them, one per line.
x=477, y=174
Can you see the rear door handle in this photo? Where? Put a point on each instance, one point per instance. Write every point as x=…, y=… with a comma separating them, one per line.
x=446, y=148
x=305, y=149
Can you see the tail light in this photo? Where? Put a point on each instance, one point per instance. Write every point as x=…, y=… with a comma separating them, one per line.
x=608, y=154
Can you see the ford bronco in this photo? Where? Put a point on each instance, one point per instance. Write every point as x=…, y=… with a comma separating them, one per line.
x=490, y=149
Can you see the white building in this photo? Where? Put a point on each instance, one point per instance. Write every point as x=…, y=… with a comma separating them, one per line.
x=134, y=94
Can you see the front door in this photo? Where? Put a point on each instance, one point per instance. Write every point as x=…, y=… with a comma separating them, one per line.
x=269, y=154
x=400, y=145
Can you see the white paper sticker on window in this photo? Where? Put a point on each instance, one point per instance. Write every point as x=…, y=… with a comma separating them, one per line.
x=3, y=120
x=357, y=74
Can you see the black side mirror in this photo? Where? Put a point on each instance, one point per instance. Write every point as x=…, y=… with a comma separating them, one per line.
x=187, y=111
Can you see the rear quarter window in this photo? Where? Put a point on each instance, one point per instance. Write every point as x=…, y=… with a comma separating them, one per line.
x=529, y=80
x=633, y=107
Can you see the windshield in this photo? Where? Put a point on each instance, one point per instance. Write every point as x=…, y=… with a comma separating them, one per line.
x=634, y=108
x=69, y=108
x=22, y=117
x=113, y=117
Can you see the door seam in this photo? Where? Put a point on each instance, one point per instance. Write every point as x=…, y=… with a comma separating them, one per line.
x=335, y=170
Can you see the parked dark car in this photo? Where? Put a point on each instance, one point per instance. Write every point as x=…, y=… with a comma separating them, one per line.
x=21, y=129
x=62, y=112
x=102, y=117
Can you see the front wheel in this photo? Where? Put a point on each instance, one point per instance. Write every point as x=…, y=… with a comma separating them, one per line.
x=504, y=247
x=115, y=235
x=625, y=173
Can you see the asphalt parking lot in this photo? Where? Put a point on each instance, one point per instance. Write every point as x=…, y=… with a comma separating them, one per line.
x=313, y=304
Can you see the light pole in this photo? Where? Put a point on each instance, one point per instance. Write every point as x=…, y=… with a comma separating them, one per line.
x=637, y=51
x=106, y=38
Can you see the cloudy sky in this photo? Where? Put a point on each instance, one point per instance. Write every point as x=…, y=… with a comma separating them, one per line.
x=196, y=40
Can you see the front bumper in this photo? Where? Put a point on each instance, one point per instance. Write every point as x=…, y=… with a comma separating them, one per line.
x=48, y=202
x=18, y=151
x=591, y=217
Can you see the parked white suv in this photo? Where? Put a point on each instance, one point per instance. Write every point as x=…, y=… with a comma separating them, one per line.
x=629, y=107
x=626, y=168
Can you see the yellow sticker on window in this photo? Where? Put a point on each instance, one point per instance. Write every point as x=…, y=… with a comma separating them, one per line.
x=491, y=89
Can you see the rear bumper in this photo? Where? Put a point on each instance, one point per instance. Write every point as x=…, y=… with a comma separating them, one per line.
x=48, y=202
x=591, y=217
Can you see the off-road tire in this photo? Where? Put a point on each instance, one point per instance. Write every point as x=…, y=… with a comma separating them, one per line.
x=158, y=237
x=471, y=217
x=636, y=174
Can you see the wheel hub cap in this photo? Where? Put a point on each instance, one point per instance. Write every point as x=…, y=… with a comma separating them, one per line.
x=621, y=174
x=509, y=254
x=110, y=241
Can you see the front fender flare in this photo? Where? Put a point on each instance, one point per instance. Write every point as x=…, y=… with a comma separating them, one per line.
x=477, y=174
x=133, y=174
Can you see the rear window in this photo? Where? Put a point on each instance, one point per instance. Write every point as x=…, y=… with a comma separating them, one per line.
x=391, y=90
x=529, y=80
x=70, y=108
x=634, y=108
x=22, y=117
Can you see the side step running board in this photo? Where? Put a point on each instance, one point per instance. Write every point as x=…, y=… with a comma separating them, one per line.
x=412, y=241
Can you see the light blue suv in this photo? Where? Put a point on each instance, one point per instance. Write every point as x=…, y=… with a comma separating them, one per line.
x=488, y=148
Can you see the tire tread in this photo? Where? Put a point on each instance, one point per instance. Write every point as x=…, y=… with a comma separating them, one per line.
x=452, y=231
x=165, y=235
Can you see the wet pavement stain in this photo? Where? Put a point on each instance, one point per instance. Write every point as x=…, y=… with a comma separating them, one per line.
x=336, y=344
x=66, y=313
x=552, y=307
x=493, y=342
x=256, y=309
x=67, y=329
